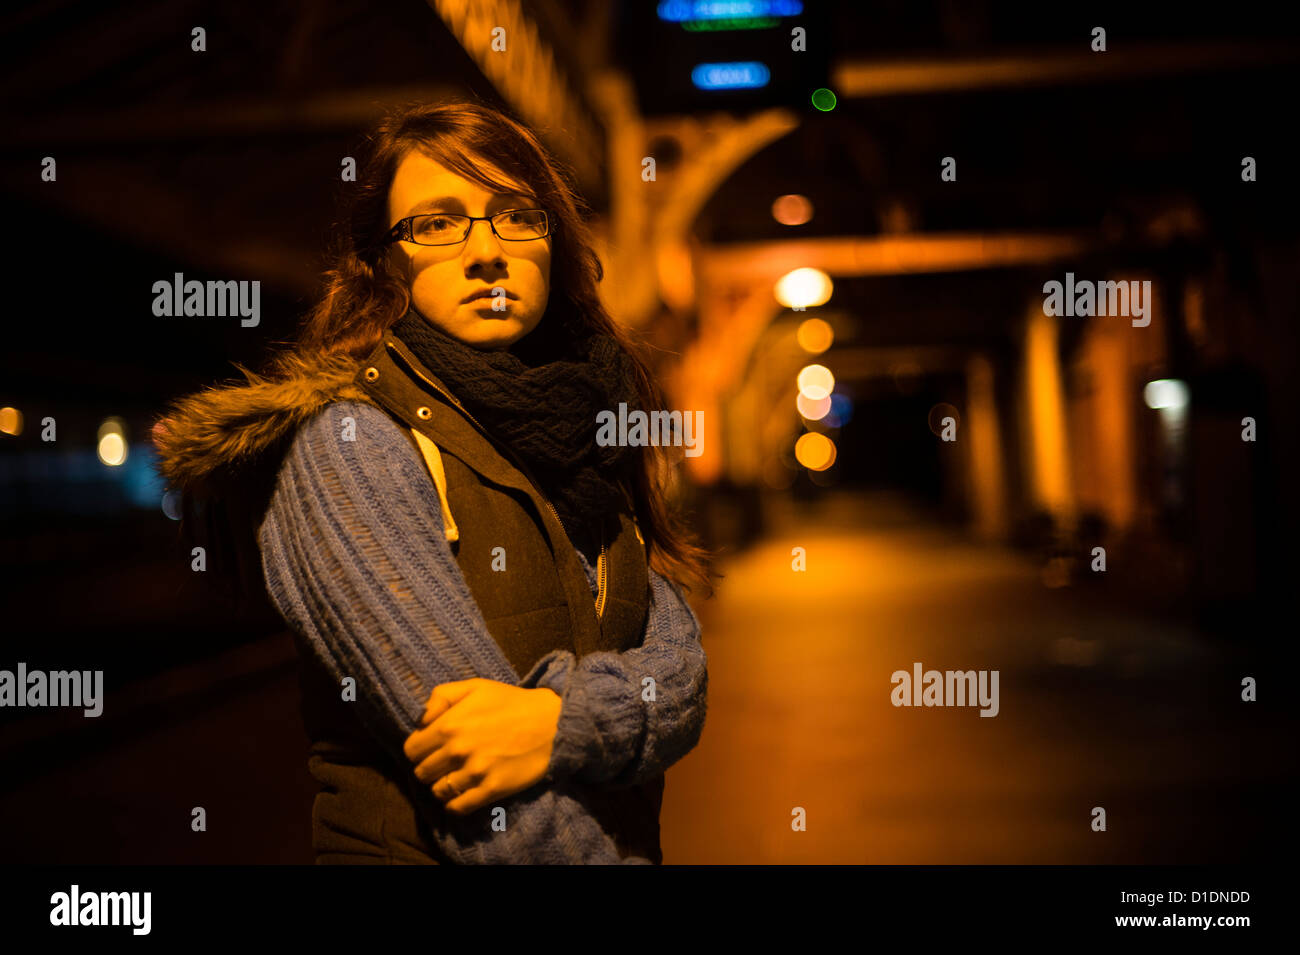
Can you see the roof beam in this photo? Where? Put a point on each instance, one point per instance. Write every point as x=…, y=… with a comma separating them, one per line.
x=341, y=111
x=743, y=263
x=528, y=75
x=864, y=78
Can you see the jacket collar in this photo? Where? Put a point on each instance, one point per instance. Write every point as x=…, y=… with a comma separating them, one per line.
x=209, y=434
x=398, y=382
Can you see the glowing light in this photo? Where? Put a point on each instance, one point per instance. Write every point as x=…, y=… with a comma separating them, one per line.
x=804, y=288
x=814, y=409
x=11, y=421
x=841, y=412
x=792, y=210
x=815, y=451
x=112, y=442
x=816, y=381
x=823, y=99
x=1166, y=393
x=740, y=23
x=112, y=450
x=815, y=335
x=678, y=11
x=730, y=76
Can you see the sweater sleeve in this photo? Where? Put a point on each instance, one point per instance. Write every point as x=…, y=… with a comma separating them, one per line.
x=355, y=560
x=626, y=717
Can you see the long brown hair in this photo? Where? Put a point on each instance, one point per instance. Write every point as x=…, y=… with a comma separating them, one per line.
x=363, y=296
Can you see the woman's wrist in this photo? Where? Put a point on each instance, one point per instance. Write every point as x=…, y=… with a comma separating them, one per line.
x=552, y=672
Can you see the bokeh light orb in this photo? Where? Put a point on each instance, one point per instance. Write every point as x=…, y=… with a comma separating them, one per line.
x=111, y=446
x=11, y=421
x=792, y=210
x=112, y=450
x=841, y=412
x=1164, y=393
x=823, y=99
x=816, y=381
x=815, y=451
x=814, y=409
x=804, y=288
x=815, y=335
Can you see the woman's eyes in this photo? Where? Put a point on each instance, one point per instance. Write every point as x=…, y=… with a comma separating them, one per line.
x=437, y=223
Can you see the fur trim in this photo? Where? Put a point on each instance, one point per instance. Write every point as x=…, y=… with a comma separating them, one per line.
x=230, y=425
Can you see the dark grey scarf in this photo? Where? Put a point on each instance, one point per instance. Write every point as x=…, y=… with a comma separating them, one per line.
x=540, y=398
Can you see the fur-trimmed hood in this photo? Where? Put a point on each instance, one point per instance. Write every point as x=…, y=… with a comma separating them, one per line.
x=207, y=435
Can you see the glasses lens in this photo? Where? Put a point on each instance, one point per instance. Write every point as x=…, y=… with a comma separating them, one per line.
x=521, y=224
x=438, y=229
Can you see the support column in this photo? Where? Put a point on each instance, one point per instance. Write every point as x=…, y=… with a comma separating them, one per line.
x=987, y=486
x=1046, y=454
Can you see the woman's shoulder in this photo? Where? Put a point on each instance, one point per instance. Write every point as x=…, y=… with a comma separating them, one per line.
x=350, y=428
x=347, y=444
x=350, y=456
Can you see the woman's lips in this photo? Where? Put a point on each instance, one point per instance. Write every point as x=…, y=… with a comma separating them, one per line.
x=488, y=294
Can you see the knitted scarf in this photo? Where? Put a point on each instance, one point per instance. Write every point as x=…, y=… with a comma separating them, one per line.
x=540, y=398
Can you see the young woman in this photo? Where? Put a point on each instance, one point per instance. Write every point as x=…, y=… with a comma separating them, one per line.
x=498, y=663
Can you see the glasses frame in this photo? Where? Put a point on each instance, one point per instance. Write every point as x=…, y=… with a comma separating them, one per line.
x=402, y=230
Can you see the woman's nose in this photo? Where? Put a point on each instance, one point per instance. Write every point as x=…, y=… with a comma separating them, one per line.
x=482, y=245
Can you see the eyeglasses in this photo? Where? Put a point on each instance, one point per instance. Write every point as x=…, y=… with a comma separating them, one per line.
x=441, y=228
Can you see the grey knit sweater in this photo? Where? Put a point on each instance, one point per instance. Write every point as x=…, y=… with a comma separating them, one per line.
x=355, y=560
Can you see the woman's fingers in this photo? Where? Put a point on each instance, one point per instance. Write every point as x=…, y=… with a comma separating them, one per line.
x=441, y=762
x=475, y=799
x=446, y=695
x=461, y=791
x=434, y=709
x=425, y=741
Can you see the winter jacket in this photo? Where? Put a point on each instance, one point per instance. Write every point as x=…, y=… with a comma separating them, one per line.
x=405, y=548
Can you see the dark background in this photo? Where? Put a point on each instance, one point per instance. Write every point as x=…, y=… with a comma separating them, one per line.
x=212, y=165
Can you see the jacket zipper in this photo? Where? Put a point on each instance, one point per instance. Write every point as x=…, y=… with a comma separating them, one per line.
x=601, y=564
x=601, y=560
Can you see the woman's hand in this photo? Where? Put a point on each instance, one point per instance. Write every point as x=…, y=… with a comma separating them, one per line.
x=483, y=740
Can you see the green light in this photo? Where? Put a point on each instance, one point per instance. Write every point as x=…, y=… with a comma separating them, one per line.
x=736, y=23
x=823, y=99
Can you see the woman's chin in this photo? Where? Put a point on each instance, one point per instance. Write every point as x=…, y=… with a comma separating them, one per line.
x=493, y=333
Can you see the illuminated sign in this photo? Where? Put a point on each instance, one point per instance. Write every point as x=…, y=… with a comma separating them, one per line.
x=680, y=11
x=730, y=76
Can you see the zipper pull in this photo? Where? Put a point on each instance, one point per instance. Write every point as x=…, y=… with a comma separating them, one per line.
x=602, y=566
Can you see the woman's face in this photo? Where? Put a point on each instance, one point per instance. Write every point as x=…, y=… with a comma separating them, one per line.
x=443, y=277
